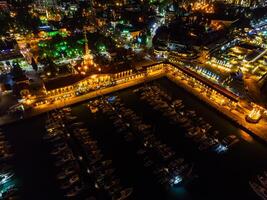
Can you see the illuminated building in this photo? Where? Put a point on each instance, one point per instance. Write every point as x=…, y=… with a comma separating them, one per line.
x=75, y=83
x=47, y=3
x=87, y=58
x=203, y=7
x=244, y=3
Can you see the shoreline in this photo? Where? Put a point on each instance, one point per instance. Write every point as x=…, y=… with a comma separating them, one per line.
x=258, y=130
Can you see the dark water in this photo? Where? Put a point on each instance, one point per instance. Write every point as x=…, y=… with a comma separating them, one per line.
x=33, y=166
x=220, y=176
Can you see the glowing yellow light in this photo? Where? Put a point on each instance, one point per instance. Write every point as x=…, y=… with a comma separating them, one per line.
x=254, y=114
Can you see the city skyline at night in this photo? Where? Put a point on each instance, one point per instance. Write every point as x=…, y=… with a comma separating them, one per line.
x=133, y=99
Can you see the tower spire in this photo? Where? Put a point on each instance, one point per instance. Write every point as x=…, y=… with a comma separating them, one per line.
x=87, y=51
x=87, y=58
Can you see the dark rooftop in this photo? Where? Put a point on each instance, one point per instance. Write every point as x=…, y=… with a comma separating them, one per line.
x=60, y=82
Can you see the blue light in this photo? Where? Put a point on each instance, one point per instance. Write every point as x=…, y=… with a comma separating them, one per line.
x=176, y=180
x=7, y=182
x=111, y=99
x=221, y=148
x=45, y=28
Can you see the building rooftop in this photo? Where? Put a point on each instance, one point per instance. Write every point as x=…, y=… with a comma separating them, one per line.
x=63, y=81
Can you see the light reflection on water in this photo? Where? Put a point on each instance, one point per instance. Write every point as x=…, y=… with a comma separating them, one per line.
x=245, y=136
x=179, y=193
x=7, y=182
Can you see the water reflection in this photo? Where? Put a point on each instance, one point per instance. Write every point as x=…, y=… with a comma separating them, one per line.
x=179, y=193
x=245, y=136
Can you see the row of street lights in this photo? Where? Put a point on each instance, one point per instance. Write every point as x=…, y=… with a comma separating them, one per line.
x=252, y=116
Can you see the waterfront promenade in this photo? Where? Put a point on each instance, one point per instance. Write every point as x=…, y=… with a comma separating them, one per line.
x=213, y=96
x=37, y=110
x=214, y=99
